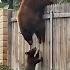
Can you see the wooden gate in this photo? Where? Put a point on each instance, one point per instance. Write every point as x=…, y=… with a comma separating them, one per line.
x=56, y=50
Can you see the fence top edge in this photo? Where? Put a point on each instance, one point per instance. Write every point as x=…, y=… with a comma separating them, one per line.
x=59, y=4
x=64, y=7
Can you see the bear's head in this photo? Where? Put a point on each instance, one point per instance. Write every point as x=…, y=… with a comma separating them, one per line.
x=32, y=59
x=31, y=52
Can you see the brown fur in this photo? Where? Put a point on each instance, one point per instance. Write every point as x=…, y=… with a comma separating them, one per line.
x=30, y=19
x=31, y=60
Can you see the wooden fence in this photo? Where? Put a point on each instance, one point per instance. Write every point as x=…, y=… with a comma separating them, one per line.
x=57, y=37
x=55, y=51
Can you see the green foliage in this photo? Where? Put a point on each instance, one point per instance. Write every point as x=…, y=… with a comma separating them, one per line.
x=67, y=0
x=16, y=4
x=4, y=67
x=4, y=1
x=13, y=4
x=63, y=1
x=2, y=5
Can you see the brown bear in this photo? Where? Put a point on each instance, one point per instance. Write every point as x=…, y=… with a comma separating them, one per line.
x=30, y=19
x=32, y=60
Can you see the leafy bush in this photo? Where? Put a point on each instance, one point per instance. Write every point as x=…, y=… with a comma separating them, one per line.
x=2, y=5
x=4, y=1
x=13, y=4
x=4, y=67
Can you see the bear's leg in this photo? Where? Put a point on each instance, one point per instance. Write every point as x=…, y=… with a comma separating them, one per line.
x=38, y=34
x=38, y=60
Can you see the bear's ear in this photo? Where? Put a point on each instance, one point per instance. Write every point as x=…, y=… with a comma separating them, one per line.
x=26, y=53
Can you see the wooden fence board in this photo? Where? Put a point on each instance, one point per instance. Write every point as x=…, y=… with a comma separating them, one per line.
x=54, y=44
x=68, y=44
x=47, y=41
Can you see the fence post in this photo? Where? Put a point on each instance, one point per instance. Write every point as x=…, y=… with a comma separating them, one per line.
x=9, y=36
x=51, y=39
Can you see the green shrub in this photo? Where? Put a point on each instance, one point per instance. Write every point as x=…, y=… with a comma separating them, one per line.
x=4, y=67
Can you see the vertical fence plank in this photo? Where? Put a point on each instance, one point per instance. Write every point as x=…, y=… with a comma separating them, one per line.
x=63, y=46
x=20, y=50
x=9, y=37
x=68, y=40
x=54, y=44
x=51, y=41
x=68, y=44
x=14, y=55
x=46, y=61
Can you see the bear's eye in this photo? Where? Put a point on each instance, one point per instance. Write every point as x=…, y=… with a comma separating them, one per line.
x=26, y=53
